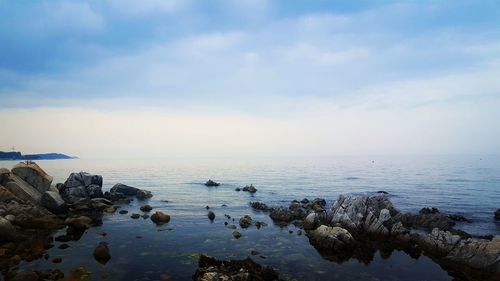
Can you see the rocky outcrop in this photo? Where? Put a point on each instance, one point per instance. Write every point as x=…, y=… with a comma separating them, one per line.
x=427, y=218
x=32, y=174
x=21, y=189
x=212, y=183
x=81, y=185
x=250, y=188
x=211, y=269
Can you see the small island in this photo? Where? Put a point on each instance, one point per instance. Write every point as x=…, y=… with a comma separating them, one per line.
x=16, y=155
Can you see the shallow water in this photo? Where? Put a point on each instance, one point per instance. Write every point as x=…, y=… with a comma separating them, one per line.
x=464, y=185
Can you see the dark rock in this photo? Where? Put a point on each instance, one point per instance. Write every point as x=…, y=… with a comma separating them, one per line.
x=259, y=206
x=135, y=216
x=427, y=211
x=237, y=189
x=212, y=183
x=54, y=202
x=260, y=224
x=160, y=218
x=101, y=253
x=245, y=221
x=57, y=260
x=25, y=276
x=79, y=224
x=236, y=234
x=143, y=194
x=146, y=208
x=127, y=190
x=250, y=188
x=497, y=214
x=7, y=231
x=82, y=185
x=382, y=192
x=242, y=270
x=63, y=246
x=123, y=212
x=457, y=217
x=211, y=215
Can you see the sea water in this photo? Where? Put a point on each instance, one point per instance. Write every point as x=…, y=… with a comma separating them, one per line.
x=140, y=250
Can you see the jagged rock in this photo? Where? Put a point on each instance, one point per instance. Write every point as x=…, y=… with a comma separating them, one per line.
x=7, y=231
x=212, y=183
x=331, y=238
x=250, y=188
x=439, y=242
x=31, y=173
x=82, y=185
x=245, y=221
x=53, y=202
x=259, y=206
x=211, y=215
x=478, y=253
x=160, y=218
x=22, y=189
x=30, y=216
x=211, y=269
x=101, y=253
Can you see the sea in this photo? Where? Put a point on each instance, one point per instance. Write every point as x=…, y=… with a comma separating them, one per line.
x=140, y=250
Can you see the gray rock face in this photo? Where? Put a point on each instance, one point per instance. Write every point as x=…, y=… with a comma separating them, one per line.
x=331, y=238
x=82, y=185
x=370, y=214
x=53, y=202
x=31, y=173
x=22, y=189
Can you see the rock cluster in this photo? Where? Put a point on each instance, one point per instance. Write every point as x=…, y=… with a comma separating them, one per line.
x=211, y=269
x=250, y=188
x=212, y=183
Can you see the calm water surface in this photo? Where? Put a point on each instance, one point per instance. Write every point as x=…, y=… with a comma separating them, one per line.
x=142, y=251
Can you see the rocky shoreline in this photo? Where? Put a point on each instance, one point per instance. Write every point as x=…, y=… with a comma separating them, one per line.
x=32, y=209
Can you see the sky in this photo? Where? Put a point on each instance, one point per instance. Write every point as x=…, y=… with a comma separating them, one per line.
x=175, y=78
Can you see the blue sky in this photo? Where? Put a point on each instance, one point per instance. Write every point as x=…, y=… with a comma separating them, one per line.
x=337, y=69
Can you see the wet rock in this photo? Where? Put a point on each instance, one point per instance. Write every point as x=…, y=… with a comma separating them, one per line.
x=382, y=192
x=57, y=260
x=259, y=206
x=63, y=246
x=79, y=224
x=457, y=217
x=29, y=216
x=81, y=185
x=232, y=226
x=236, y=234
x=211, y=215
x=146, y=208
x=250, y=188
x=331, y=238
x=212, y=183
x=25, y=276
x=127, y=190
x=237, y=189
x=54, y=202
x=211, y=269
x=260, y=224
x=497, y=214
x=101, y=253
x=160, y=218
x=283, y=214
x=135, y=216
x=32, y=174
x=123, y=212
x=245, y=221
x=427, y=218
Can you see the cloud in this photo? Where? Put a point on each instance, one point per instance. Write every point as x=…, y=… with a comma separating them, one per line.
x=148, y=7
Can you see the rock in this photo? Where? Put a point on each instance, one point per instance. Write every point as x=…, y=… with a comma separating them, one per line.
x=236, y=234
x=311, y=221
x=211, y=215
x=245, y=221
x=146, y=208
x=260, y=224
x=497, y=214
x=259, y=206
x=250, y=188
x=21, y=189
x=382, y=192
x=237, y=189
x=63, y=246
x=457, y=217
x=32, y=174
x=79, y=224
x=212, y=183
x=123, y=212
x=283, y=214
x=57, y=260
x=101, y=253
x=31, y=216
x=211, y=269
x=130, y=191
x=331, y=238
x=6, y=195
x=232, y=226
x=427, y=218
x=53, y=202
x=160, y=218
x=135, y=216
x=82, y=185
x=143, y=194
x=7, y=231
x=25, y=276
x=10, y=218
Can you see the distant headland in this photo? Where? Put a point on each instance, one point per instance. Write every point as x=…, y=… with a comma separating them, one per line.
x=16, y=155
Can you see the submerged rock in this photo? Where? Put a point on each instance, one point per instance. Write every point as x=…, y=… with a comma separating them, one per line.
x=146, y=208
x=211, y=215
x=160, y=218
x=259, y=206
x=212, y=183
x=497, y=214
x=101, y=253
x=211, y=269
x=236, y=234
